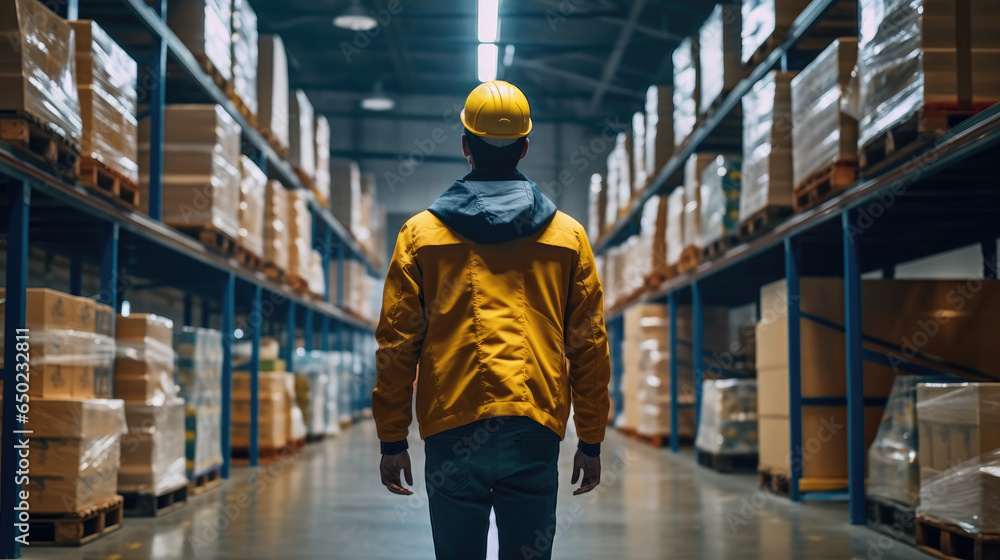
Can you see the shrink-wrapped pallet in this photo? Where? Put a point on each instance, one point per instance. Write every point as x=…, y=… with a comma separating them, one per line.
x=316, y=278
x=653, y=232
x=201, y=168
x=720, y=199
x=919, y=53
x=245, y=55
x=205, y=27
x=822, y=133
x=719, y=48
x=766, y=180
x=659, y=128
x=623, y=188
x=276, y=226
x=640, y=176
x=597, y=207
x=106, y=85
x=272, y=89
x=728, y=423
x=675, y=226
x=153, y=460
x=299, y=233
x=199, y=376
x=253, y=187
x=301, y=142
x=37, y=69
x=345, y=193
x=311, y=390
x=893, y=469
x=611, y=186
x=687, y=89
x=322, y=183
x=694, y=192
x=144, y=362
x=274, y=414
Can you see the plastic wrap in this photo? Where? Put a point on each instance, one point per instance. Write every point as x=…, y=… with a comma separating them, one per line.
x=272, y=88
x=597, y=206
x=648, y=392
x=694, y=192
x=759, y=23
x=719, y=49
x=311, y=390
x=967, y=495
x=145, y=359
x=106, y=85
x=199, y=365
x=766, y=178
x=253, y=187
x=301, y=144
x=640, y=175
x=728, y=417
x=893, y=470
x=276, y=225
x=299, y=233
x=687, y=89
x=821, y=132
x=244, y=54
x=203, y=435
x=205, y=28
x=652, y=232
x=70, y=364
x=37, y=70
x=315, y=278
x=321, y=132
x=675, y=226
x=153, y=449
x=720, y=199
x=201, y=168
x=623, y=187
x=659, y=137
x=611, y=185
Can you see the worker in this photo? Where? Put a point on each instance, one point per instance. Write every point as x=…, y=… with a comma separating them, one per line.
x=492, y=290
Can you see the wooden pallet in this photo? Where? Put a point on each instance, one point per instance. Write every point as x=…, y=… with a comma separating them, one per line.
x=824, y=184
x=951, y=542
x=274, y=142
x=658, y=277
x=265, y=455
x=99, y=177
x=212, y=238
x=248, y=258
x=205, y=481
x=30, y=134
x=273, y=272
x=778, y=483
x=138, y=504
x=718, y=247
x=241, y=106
x=75, y=529
x=689, y=260
x=658, y=440
x=345, y=424
x=209, y=68
x=297, y=283
x=296, y=445
x=763, y=221
x=892, y=518
x=308, y=182
x=913, y=135
x=728, y=462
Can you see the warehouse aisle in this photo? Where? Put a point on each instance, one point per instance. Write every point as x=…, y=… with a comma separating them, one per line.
x=327, y=503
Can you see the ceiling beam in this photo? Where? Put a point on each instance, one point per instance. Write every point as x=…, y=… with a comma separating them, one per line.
x=650, y=31
x=611, y=67
x=586, y=81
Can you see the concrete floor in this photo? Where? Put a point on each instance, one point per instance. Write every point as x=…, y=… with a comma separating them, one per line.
x=328, y=503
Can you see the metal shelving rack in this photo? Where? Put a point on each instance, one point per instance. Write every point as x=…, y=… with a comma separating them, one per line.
x=943, y=198
x=45, y=211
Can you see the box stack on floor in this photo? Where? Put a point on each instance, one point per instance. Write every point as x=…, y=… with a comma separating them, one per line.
x=199, y=375
x=273, y=414
x=893, y=470
x=727, y=432
x=313, y=393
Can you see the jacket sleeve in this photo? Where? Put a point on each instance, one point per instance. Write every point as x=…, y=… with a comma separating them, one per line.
x=587, y=349
x=400, y=334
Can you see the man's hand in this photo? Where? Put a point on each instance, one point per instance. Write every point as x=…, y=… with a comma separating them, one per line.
x=390, y=467
x=591, y=468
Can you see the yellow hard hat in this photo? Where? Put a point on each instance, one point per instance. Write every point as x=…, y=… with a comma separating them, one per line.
x=497, y=110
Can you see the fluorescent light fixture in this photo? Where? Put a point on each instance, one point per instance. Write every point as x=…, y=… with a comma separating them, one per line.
x=355, y=18
x=488, y=62
x=126, y=308
x=489, y=20
x=378, y=100
x=238, y=333
x=508, y=56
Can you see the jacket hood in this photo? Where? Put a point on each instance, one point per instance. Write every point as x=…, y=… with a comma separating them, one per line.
x=488, y=208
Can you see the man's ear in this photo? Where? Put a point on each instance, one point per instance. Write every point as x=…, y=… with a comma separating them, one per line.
x=465, y=147
x=524, y=150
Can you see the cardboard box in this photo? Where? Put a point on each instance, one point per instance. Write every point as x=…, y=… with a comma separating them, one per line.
x=270, y=383
x=47, y=309
x=766, y=177
x=51, y=418
x=71, y=494
x=719, y=50
x=87, y=456
x=140, y=326
x=687, y=89
x=153, y=450
x=272, y=436
x=962, y=421
x=205, y=27
x=270, y=407
x=659, y=128
x=272, y=88
x=824, y=441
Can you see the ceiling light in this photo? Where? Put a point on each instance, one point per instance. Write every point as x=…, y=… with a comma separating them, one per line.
x=378, y=100
x=487, y=62
x=508, y=56
x=489, y=20
x=355, y=18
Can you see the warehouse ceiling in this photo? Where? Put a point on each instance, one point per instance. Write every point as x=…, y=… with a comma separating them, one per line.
x=577, y=60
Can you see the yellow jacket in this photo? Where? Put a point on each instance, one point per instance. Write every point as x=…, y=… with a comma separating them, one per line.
x=492, y=323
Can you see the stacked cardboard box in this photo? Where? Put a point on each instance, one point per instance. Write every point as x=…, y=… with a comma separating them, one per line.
x=371, y=231
x=301, y=142
x=272, y=90
x=345, y=196
x=321, y=131
x=199, y=375
x=720, y=199
x=659, y=137
x=611, y=190
x=153, y=454
x=675, y=226
x=276, y=240
x=244, y=54
x=253, y=188
x=299, y=234
x=205, y=27
x=728, y=423
x=273, y=413
x=893, y=469
x=959, y=426
x=75, y=454
x=687, y=92
x=653, y=236
x=201, y=168
x=719, y=50
x=144, y=362
x=640, y=175
x=763, y=19
x=106, y=84
x=37, y=74
x=767, y=146
x=620, y=181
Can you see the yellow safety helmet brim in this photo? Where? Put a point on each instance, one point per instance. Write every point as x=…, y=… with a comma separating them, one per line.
x=497, y=110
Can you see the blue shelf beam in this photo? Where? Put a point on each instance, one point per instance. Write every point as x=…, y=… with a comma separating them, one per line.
x=228, y=310
x=615, y=337
x=288, y=352
x=793, y=268
x=675, y=442
x=855, y=374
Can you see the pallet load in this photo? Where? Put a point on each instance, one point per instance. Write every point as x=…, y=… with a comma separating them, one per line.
x=653, y=235
x=824, y=136
x=72, y=351
x=205, y=27
x=687, y=89
x=312, y=392
x=273, y=414
x=199, y=376
x=675, y=227
x=621, y=189
x=766, y=178
x=301, y=143
x=640, y=175
x=75, y=449
x=299, y=239
x=959, y=511
x=597, y=203
x=893, y=488
x=245, y=58
x=106, y=80
x=727, y=431
x=694, y=192
x=923, y=66
x=720, y=205
x=201, y=173
x=345, y=196
x=659, y=137
x=719, y=49
x=39, y=103
x=250, y=236
x=272, y=92
x=152, y=478
x=611, y=190
x=766, y=24
x=321, y=132
x=144, y=359
x=276, y=240
x=371, y=231
x=645, y=349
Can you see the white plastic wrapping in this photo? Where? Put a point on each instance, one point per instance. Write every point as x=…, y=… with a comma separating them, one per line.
x=893, y=470
x=272, y=88
x=299, y=233
x=199, y=375
x=687, y=91
x=758, y=24
x=719, y=48
x=675, y=226
x=652, y=233
x=640, y=175
x=312, y=377
x=205, y=28
x=728, y=417
x=276, y=237
x=597, y=202
x=301, y=143
x=821, y=132
x=967, y=495
x=345, y=194
x=245, y=54
x=611, y=186
x=322, y=134
x=253, y=187
x=720, y=199
x=694, y=192
x=153, y=460
x=37, y=69
x=155, y=359
x=659, y=128
x=624, y=186
x=766, y=179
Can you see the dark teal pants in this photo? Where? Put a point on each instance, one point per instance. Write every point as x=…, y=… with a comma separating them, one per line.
x=506, y=463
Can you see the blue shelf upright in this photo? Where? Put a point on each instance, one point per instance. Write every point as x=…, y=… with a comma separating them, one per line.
x=228, y=296
x=793, y=268
x=855, y=372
